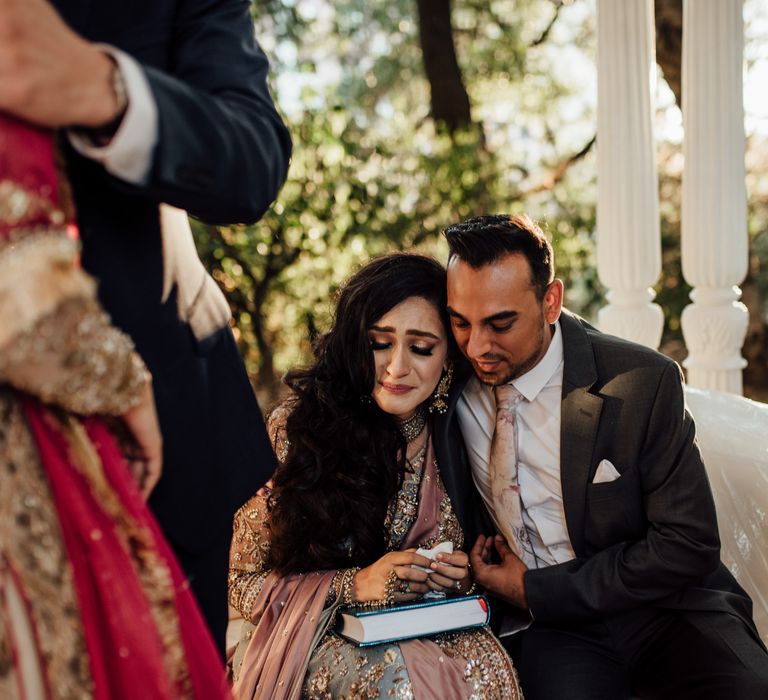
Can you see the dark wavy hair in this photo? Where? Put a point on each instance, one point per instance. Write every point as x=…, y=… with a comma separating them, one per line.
x=483, y=240
x=346, y=457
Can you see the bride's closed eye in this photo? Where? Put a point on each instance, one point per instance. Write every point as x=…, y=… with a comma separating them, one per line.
x=424, y=351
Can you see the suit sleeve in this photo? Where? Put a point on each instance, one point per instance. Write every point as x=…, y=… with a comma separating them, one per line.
x=679, y=546
x=222, y=150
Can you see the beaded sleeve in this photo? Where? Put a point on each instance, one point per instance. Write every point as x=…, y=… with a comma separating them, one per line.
x=248, y=565
x=56, y=342
x=248, y=555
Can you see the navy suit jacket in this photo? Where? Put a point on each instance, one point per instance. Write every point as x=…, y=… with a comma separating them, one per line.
x=222, y=154
x=648, y=538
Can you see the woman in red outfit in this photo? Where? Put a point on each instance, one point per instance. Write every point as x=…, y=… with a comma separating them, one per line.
x=92, y=603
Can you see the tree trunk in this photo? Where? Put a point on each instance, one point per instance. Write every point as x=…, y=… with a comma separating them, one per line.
x=669, y=43
x=449, y=101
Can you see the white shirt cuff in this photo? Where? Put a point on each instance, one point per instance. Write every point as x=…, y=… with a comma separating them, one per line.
x=128, y=155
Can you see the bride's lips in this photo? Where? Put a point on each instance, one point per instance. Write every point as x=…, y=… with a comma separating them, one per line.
x=396, y=388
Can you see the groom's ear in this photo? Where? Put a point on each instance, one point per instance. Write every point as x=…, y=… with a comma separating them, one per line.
x=553, y=301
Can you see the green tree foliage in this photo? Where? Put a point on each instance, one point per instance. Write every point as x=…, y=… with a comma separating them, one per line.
x=360, y=84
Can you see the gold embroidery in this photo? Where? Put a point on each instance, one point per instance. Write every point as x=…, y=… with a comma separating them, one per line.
x=138, y=541
x=489, y=672
x=276, y=430
x=37, y=273
x=75, y=358
x=18, y=205
x=31, y=544
x=248, y=555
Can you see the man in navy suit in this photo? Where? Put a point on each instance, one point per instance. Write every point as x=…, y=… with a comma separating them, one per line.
x=164, y=102
x=610, y=553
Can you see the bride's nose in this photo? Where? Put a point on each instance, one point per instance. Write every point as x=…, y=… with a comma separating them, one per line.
x=398, y=362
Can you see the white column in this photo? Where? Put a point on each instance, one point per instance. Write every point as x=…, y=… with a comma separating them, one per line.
x=628, y=236
x=714, y=206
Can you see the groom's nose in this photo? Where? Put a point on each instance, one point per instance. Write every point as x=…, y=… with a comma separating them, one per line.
x=478, y=344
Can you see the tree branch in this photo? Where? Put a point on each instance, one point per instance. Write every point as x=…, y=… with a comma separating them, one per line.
x=545, y=34
x=558, y=172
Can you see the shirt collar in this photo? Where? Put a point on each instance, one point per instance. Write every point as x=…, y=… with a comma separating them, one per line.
x=536, y=378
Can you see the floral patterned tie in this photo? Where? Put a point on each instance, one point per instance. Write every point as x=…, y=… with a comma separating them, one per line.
x=505, y=488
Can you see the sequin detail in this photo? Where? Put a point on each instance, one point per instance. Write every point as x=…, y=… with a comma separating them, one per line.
x=75, y=358
x=32, y=547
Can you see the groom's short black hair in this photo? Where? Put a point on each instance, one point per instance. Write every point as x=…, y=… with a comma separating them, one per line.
x=483, y=240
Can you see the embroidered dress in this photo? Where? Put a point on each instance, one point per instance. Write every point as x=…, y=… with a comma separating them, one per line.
x=92, y=603
x=462, y=665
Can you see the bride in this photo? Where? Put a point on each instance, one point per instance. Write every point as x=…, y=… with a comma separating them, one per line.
x=357, y=490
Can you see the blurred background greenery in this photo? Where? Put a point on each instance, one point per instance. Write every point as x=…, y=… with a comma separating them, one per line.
x=408, y=115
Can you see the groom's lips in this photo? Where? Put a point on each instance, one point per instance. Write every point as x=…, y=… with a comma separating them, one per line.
x=488, y=367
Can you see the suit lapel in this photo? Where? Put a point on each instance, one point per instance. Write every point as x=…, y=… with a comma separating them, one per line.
x=579, y=419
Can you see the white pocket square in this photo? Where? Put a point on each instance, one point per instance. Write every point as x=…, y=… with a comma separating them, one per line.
x=605, y=472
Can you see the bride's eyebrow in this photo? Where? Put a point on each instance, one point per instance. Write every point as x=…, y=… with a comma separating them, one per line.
x=411, y=331
x=421, y=334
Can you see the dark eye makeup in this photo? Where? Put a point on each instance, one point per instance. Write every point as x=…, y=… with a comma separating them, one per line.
x=415, y=349
x=426, y=352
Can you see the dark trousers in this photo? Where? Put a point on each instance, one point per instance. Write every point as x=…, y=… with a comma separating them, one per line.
x=207, y=573
x=653, y=654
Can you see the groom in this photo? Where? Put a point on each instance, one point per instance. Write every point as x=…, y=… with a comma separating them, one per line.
x=584, y=457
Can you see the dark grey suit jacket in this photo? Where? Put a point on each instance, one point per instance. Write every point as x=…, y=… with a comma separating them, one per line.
x=648, y=538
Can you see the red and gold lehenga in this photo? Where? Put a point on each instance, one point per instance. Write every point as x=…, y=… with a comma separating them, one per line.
x=92, y=602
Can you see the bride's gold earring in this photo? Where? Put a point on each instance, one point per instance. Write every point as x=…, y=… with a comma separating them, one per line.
x=439, y=403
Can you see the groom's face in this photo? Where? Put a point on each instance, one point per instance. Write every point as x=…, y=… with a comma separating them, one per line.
x=499, y=323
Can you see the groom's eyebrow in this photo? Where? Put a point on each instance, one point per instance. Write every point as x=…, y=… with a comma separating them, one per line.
x=501, y=316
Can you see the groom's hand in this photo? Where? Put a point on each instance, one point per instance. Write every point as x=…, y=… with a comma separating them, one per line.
x=49, y=75
x=504, y=580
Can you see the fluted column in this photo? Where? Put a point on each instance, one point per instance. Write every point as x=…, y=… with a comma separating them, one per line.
x=628, y=236
x=714, y=207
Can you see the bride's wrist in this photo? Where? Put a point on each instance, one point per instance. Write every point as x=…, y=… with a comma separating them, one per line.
x=348, y=594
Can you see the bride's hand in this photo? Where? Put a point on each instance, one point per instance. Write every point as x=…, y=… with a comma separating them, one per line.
x=450, y=573
x=370, y=583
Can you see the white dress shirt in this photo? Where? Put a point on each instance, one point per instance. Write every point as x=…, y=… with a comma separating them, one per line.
x=538, y=431
x=128, y=155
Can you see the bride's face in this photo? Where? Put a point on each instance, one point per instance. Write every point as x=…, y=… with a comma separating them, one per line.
x=409, y=346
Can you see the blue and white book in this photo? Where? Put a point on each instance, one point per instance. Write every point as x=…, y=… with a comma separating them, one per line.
x=392, y=623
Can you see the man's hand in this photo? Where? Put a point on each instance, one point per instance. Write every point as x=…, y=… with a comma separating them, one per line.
x=504, y=580
x=49, y=75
